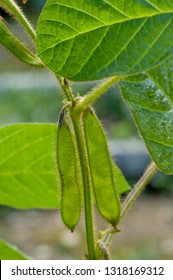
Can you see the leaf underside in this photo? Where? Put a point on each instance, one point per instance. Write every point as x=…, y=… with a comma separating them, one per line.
x=9, y=252
x=27, y=166
x=151, y=101
x=129, y=36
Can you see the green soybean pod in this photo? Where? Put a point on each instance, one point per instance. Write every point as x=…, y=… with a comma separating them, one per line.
x=101, y=168
x=67, y=163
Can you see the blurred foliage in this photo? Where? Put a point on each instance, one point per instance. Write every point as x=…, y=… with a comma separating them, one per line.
x=29, y=106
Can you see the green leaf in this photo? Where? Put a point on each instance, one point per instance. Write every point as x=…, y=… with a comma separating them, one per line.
x=151, y=102
x=27, y=166
x=88, y=40
x=10, y=252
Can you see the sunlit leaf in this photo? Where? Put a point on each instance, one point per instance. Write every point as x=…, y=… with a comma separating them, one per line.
x=86, y=40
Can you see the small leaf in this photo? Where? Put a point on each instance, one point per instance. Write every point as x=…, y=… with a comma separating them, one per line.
x=67, y=163
x=101, y=168
x=129, y=37
x=27, y=167
x=10, y=252
x=151, y=103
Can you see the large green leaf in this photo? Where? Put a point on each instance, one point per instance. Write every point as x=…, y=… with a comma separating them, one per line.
x=27, y=166
x=86, y=40
x=151, y=102
x=10, y=252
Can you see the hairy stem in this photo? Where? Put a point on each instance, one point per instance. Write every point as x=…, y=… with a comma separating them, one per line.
x=80, y=137
x=12, y=8
x=96, y=92
x=67, y=90
x=13, y=44
x=138, y=188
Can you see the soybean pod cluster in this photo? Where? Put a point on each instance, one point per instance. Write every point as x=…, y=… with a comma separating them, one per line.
x=80, y=137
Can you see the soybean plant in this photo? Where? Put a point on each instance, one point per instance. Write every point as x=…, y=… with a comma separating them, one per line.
x=79, y=40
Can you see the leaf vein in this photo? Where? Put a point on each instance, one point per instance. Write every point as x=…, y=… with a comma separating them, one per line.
x=116, y=9
x=55, y=20
x=23, y=148
x=37, y=160
x=122, y=49
x=77, y=9
x=159, y=142
x=27, y=190
x=154, y=6
x=151, y=45
x=10, y=135
x=43, y=183
x=147, y=108
x=163, y=89
x=94, y=49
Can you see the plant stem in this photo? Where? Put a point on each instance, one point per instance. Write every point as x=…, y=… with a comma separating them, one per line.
x=138, y=188
x=13, y=44
x=84, y=163
x=80, y=137
x=12, y=8
x=67, y=90
x=96, y=92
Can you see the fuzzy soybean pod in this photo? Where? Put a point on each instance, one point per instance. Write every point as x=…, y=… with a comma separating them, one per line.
x=67, y=163
x=101, y=168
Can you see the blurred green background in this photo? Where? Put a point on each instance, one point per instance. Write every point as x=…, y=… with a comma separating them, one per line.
x=32, y=95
